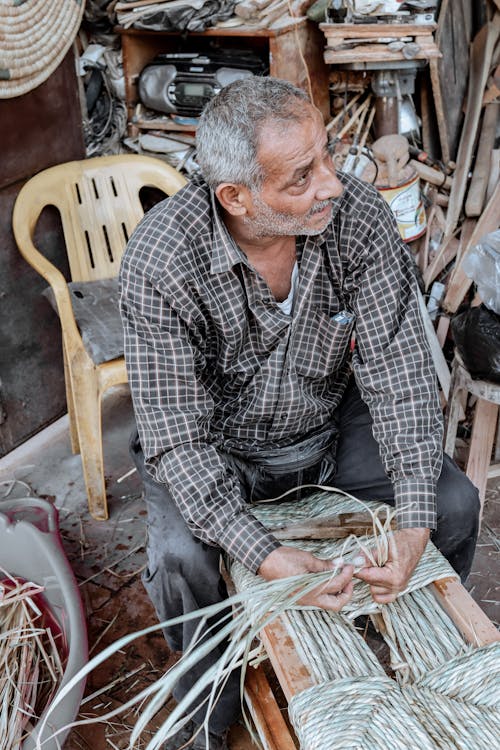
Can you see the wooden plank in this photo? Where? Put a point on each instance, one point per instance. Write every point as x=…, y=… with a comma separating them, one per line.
x=442, y=329
x=481, y=444
x=449, y=75
x=440, y=114
x=445, y=255
x=494, y=173
x=479, y=182
x=327, y=527
x=440, y=363
x=449, y=249
x=293, y=675
x=375, y=30
x=481, y=54
x=268, y=719
x=467, y=615
x=375, y=53
x=460, y=283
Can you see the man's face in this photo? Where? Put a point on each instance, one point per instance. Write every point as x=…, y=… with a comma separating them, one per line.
x=300, y=180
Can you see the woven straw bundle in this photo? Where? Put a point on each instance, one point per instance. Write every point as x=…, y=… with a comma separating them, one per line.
x=34, y=38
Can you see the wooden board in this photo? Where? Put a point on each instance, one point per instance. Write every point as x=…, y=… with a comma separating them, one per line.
x=449, y=75
x=460, y=283
x=266, y=714
x=472, y=622
x=333, y=31
x=377, y=53
x=479, y=182
x=481, y=54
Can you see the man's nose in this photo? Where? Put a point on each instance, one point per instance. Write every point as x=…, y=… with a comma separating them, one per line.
x=329, y=185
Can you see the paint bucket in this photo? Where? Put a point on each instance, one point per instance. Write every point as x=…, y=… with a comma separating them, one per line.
x=407, y=206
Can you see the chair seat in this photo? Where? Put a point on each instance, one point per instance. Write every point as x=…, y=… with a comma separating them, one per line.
x=97, y=314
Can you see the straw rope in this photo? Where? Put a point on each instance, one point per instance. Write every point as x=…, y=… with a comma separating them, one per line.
x=455, y=706
x=353, y=703
x=446, y=694
x=35, y=35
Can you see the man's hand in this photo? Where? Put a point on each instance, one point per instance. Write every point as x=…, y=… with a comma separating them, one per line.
x=288, y=561
x=405, y=550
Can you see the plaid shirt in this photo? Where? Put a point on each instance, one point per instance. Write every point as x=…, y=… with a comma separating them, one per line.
x=213, y=362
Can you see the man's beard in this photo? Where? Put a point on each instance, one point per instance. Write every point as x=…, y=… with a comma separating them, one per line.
x=270, y=223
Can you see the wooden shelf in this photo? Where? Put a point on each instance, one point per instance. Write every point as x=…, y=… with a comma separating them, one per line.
x=293, y=51
x=358, y=43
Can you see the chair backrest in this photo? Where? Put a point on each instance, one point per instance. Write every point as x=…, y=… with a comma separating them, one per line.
x=98, y=201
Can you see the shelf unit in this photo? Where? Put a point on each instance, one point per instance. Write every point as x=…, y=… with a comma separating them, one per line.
x=287, y=48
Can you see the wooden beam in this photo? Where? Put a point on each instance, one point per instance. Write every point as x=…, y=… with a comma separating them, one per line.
x=459, y=282
x=481, y=444
x=480, y=61
x=467, y=615
x=268, y=719
x=479, y=182
x=293, y=675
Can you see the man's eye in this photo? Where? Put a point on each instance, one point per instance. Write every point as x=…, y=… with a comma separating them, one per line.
x=302, y=179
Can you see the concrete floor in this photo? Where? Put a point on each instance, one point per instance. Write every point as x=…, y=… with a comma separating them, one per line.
x=107, y=558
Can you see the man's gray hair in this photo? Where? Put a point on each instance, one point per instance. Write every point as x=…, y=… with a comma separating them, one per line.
x=227, y=135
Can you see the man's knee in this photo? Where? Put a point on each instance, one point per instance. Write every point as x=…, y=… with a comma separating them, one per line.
x=457, y=498
x=458, y=518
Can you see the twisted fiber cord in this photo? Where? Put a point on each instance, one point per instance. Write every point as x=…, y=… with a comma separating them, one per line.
x=452, y=706
x=329, y=645
x=456, y=706
x=356, y=713
x=419, y=635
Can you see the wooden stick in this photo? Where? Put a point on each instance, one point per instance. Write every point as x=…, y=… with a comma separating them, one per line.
x=353, y=119
x=273, y=731
x=429, y=174
x=479, y=182
x=327, y=527
x=469, y=618
x=480, y=59
x=344, y=111
x=460, y=283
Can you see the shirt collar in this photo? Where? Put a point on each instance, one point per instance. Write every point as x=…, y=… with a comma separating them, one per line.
x=225, y=251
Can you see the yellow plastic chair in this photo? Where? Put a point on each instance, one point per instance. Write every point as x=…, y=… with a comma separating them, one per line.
x=98, y=201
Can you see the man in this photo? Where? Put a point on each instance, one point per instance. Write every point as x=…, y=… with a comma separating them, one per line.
x=240, y=298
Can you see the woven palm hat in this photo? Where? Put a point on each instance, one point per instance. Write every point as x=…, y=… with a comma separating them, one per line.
x=34, y=38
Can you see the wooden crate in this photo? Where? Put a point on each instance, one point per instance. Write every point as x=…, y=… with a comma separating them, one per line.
x=357, y=43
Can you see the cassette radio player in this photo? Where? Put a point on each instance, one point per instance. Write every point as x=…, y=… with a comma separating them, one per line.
x=182, y=83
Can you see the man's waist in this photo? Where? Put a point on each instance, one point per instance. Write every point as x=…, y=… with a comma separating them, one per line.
x=299, y=454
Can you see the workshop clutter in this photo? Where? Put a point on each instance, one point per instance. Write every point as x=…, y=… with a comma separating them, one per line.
x=43, y=638
x=412, y=95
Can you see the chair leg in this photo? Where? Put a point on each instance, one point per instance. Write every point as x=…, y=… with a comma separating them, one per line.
x=70, y=403
x=87, y=402
x=481, y=445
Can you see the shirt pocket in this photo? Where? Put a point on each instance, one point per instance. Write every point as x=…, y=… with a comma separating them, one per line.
x=324, y=343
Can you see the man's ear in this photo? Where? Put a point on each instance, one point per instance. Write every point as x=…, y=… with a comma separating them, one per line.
x=234, y=198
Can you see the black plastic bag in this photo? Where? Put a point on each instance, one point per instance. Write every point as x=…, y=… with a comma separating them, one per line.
x=476, y=333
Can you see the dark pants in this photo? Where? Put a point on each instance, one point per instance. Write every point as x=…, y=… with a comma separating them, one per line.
x=183, y=574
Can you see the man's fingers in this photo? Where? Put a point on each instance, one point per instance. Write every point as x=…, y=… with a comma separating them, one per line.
x=384, y=597
x=376, y=576
x=333, y=596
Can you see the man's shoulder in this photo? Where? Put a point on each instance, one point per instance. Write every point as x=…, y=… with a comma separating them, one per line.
x=356, y=192
x=170, y=227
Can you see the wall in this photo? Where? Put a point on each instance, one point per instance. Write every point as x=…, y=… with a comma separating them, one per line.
x=37, y=130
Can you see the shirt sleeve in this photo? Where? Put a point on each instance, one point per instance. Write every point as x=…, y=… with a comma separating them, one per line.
x=173, y=413
x=394, y=370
